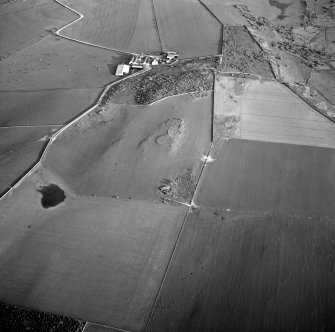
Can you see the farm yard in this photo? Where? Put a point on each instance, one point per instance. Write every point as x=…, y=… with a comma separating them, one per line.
x=192, y=196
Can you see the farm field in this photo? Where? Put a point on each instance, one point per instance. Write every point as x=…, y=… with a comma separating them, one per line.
x=240, y=53
x=24, y=26
x=267, y=111
x=58, y=63
x=131, y=151
x=45, y=106
x=99, y=328
x=324, y=82
x=284, y=12
x=235, y=271
x=257, y=176
x=19, y=149
x=197, y=196
x=125, y=25
x=100, y=260
x=226, y=13
x=188, y=27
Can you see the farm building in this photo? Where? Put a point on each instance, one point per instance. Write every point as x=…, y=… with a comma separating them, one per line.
x=122, y=69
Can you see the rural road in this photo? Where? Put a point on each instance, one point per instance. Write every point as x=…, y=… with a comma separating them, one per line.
x=81, y=16
x=65, y=127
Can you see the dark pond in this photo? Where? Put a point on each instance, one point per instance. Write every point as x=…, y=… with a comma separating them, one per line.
x=281, y=6
x=52, y=195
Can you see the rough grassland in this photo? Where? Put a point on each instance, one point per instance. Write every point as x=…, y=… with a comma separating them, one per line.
x=267, y=111
x=126, y=151
x=225, y=13
x=126, y=25
x=324, y=82
x=188, y=27
x=58, y=63
x=23, y=27
x=19, y=149
x=100, y=260
x=278, y=12
x=252, y=175
x=244, y=272
x=44, y=107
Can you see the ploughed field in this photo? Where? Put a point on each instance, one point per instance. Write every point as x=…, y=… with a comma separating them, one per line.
x=169, y=206
x=97, y=259
x=247, y=271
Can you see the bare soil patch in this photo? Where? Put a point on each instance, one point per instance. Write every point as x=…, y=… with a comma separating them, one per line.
x=249, y=272
x=97, y=259
x=250, y=175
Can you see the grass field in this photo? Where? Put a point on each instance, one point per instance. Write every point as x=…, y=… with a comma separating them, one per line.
x=19, y=149
x=130, y=154
x=278, y=12
x=251, y=175
x=226, y=13
x=126, y=25
x=267, y=111
x=24, y=26
x=249, y=272
x=95, y=259
x=188, y=27
x=57, y=63
x=324, y=82
x=44, y=107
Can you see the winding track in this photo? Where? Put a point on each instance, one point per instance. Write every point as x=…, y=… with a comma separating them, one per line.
x=81, y=16
x=38, y=163
x=50, y=141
